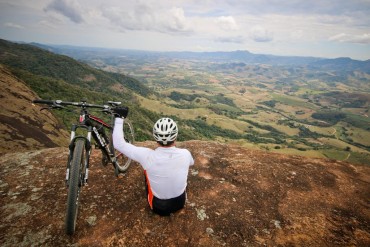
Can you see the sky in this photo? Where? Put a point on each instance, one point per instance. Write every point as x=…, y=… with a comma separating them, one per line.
x=318, y=28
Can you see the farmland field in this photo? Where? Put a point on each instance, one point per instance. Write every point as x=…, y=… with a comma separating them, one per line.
x=285, y=109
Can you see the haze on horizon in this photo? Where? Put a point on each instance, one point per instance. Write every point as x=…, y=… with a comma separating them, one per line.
x=325, y=28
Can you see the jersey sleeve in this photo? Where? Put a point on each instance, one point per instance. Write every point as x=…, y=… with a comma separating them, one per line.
x=138, y=154
x=191, y=159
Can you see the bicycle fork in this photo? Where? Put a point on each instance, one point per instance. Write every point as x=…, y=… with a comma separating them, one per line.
x=71, y=149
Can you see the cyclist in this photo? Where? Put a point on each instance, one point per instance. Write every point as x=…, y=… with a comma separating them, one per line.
x=165, y=168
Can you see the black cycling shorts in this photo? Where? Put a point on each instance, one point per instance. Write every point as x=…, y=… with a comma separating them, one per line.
x=168, y=206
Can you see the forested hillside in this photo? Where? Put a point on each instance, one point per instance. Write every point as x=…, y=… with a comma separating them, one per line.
x=53, y=76
x=44, y=63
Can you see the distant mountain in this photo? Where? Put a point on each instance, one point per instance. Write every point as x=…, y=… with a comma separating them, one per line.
x=343, y=63
x=244, y=56
x=338, y=64
x=220, y=56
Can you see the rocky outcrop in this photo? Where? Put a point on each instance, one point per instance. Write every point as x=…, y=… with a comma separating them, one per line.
x=236, y=197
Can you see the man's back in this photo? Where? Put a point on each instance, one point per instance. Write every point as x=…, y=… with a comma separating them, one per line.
x=167, y=170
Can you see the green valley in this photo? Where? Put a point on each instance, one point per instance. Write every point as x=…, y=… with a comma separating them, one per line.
x=312, y=108
x=300, y=106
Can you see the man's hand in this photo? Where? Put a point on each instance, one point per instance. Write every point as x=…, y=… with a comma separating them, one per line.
x=120, y=112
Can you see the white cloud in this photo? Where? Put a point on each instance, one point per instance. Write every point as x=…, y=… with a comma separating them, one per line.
x=286, y=27
x=260, y=34
x=67, y=8
x=145, y=17
x=13, y=25
x=176, y=20
x=294, y=7
x=346, y=38
x=227, y=23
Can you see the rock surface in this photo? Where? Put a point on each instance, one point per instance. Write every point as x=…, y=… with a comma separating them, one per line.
x=22, y=125
x=236, y=197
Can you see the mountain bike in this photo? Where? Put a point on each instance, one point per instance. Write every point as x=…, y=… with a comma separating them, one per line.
x=80, y=149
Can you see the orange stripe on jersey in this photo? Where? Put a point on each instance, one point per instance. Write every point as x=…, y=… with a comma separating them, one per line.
x=150, y=193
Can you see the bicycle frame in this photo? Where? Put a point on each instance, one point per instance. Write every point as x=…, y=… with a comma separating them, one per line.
x=87, y=121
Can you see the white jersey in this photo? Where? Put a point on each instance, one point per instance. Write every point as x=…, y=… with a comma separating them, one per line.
x=166, y=167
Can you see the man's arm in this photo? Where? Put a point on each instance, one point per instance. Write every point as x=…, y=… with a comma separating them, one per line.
x=191, y=159
x=138, y=154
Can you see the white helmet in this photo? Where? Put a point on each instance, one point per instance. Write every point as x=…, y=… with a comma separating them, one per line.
x=165, y=130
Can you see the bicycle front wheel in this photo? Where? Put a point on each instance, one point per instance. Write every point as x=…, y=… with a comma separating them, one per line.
x=75, y=182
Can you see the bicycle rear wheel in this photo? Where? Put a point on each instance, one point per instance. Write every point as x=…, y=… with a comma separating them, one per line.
x=124, y=162
x=75, y=182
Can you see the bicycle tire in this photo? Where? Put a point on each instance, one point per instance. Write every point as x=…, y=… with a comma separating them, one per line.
x=74, y=188
x=123, y=162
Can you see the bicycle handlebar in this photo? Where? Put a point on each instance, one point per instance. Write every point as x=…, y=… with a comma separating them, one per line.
x=41, y=101
x=77, y=104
